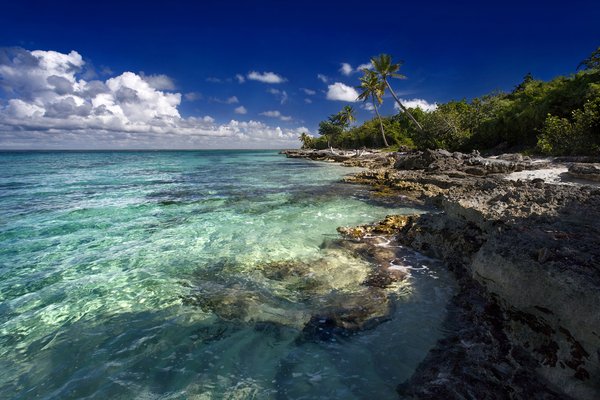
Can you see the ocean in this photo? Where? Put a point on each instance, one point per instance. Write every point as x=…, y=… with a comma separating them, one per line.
x=193, y=275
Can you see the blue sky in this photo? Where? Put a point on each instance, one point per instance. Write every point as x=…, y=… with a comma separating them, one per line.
x=192, y=66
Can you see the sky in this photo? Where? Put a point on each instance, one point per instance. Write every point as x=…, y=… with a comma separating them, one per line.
x=256, y=74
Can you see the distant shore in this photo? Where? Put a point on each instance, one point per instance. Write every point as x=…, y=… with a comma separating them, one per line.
x=521, y=236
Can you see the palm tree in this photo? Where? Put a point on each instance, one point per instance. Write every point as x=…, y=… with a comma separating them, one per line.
x=346, y=116
x=385, y=69
x=373, y=89
x=306, y=140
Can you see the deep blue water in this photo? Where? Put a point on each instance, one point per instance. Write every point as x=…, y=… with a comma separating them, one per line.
x=142, y=275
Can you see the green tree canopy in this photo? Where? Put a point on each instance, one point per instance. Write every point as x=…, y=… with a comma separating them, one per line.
x=373, y=89
x=384, y=66
x=592, y=62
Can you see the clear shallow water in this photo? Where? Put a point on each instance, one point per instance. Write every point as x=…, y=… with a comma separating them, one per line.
x=141, y=275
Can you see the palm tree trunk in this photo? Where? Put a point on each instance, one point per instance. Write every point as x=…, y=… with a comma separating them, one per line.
x=402, y=106
x=381, y=125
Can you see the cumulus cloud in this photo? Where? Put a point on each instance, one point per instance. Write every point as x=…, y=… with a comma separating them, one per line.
x=339, y=91
x=309, y=92
x=265, y=77
x=416, y=103
x=322, y=78
x=45, y=102
x=159, y=81
x=240, y=78
x=240, y=110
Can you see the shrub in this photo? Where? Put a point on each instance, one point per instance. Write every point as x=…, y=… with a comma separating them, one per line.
x=580, y=135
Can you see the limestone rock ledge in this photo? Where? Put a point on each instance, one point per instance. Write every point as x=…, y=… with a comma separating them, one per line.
x=535, y=252
x=526, y=322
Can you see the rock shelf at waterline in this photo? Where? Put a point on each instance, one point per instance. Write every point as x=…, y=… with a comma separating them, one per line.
x=521, y=236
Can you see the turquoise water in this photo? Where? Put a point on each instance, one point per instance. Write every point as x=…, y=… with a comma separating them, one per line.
x=142, y=275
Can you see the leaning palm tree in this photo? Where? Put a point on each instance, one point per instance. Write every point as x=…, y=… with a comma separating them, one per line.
x=386, y=69
x=373, y=89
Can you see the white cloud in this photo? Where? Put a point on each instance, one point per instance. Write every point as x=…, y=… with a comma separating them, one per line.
x=368, y=106
x=272, y=114
x=309, y=92
x=265, y=77
x=192, y=96
x=322, y=78
x=284, y=97
x=212, y=79
x=276, y=114
x=104, y=70
x=134, y=99
x=229, y=100
x=339, y=91
x=346, y=69
x=159, y=81
x=281, y=94
x=414, y=103
x=240, y=110
x=49, y=104
x=240, y=78
x=308, y=101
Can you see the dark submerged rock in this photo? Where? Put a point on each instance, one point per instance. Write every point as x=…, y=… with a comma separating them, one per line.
x=360, y=306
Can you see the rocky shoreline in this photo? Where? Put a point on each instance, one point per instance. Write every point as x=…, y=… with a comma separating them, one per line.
x=522, y=236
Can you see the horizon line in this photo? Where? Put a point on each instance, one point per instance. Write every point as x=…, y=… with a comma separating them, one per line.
x=221, y=149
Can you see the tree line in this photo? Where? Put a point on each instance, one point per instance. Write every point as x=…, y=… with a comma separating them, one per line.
x=557, y=117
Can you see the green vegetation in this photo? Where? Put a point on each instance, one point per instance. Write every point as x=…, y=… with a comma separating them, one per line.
x=373, y=90
x=384, y=67
x=558, y=117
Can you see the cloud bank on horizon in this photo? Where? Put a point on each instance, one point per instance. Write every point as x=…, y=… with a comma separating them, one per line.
x=50, y=103
x=53, y=100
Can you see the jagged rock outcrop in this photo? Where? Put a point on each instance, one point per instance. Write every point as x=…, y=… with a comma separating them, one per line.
x=590, y=172
x=534, y=249
x=526, y=322
x=473, y=163
x=353, y=158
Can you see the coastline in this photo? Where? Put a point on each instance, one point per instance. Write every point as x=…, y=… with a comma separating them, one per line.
x=524, y=323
